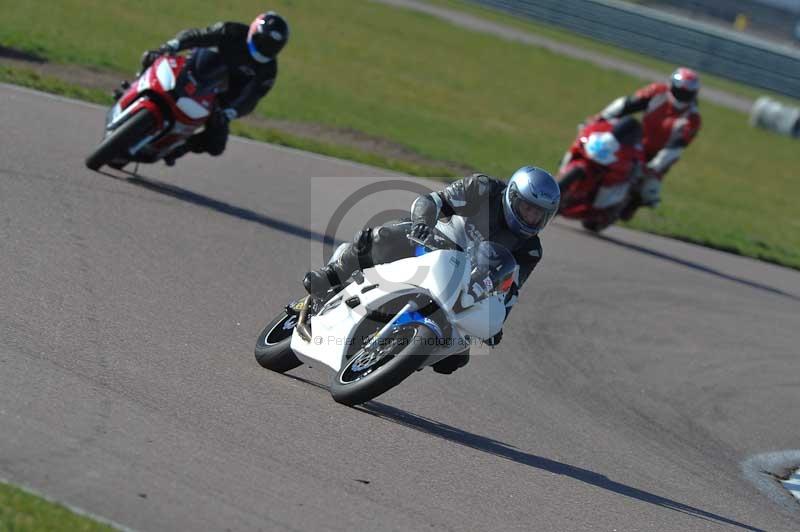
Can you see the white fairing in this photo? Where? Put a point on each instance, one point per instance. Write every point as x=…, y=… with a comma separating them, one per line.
x=116, y=109
x=165, y=76
x=117, y=114
x=192, y=109
x=144, y=81
x=442, y=275
x=483, y=320
x=609, y=196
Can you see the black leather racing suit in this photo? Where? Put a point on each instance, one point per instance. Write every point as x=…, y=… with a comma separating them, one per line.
x=249, y=80
x=477, y=198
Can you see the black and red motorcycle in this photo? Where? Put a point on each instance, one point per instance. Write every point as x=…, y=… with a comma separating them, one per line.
x=171, y=100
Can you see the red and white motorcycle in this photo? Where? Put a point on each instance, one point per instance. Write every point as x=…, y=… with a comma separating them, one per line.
x=158, y=112
x=597, y=174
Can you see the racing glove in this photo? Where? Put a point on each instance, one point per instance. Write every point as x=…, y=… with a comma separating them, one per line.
x=172, y=46
x=421, y=231
x=230, y=114
x=149, y=57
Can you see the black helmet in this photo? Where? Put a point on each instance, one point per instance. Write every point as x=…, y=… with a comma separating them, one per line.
x=267, y=36
x=627, y=131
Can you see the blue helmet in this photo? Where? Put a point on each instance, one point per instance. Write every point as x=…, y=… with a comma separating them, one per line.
x=530, y=201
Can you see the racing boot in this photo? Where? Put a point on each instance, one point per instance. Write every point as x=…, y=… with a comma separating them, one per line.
x=318, y=282
x=354, y=256
x=629, y=210
x=174, y=155
x=193, y=144
x=448, y=365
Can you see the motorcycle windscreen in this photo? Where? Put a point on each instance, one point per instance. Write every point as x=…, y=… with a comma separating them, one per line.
x=493, y=268
x=207, y=73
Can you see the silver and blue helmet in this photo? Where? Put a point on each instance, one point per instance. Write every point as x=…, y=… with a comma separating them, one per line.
x=530, y=201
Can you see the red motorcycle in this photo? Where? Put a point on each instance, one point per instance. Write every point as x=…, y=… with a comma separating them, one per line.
x=171, y=99
x=598, y=171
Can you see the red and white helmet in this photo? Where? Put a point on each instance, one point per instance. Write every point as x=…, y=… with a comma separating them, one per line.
x=684, y=84
x=267, y=36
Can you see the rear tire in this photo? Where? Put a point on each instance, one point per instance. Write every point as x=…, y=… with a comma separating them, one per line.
x=273, y=349
x=125, y=136
x=352, y=387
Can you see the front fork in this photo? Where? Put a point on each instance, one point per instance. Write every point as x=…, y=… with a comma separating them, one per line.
x=387, y=329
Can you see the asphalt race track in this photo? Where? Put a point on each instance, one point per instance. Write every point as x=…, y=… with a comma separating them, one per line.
x=635, y=376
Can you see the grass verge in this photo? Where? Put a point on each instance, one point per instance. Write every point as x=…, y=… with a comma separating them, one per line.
x=33, y=80
x=451, y=94
x=21, y=511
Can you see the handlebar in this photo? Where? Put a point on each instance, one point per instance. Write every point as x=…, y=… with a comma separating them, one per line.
x=417, y=241
x=433, y=239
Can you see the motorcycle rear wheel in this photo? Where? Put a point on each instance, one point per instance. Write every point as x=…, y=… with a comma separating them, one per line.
x=273, y=349
x=125, y=136
x=368, y=374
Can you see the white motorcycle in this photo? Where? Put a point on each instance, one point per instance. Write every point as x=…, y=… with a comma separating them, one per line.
x=393, y=319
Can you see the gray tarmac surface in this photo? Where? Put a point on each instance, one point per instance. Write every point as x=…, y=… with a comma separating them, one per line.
x=635, y=376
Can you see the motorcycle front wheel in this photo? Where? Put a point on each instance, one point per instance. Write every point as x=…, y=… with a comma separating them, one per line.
x=375, y=369
x=125, y=136
x=273, y=349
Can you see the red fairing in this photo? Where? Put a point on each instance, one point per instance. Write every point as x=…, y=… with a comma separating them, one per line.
x=579, y=196
x=663, y=120
x=182, y=124
x=154, y=109
x=607, y=175
x=129, y=96
x=176, y=65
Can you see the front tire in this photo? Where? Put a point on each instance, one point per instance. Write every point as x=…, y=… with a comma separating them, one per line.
x=593, y=226
x=125, y=136
x=367, y=375
x=273, y=349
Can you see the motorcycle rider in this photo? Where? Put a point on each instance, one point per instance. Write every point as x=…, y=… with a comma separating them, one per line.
x=511, y=214
x=671, y=121
x=609, y=154
x=250, y=53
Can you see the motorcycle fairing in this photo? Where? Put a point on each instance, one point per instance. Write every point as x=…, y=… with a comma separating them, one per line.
x=176, y=120
x=439, y=274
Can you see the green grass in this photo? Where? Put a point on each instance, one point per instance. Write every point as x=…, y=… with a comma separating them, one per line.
x=334, y=150
x=587, y=43
x=22, y=512
x=452, y=95
x=33, y=80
